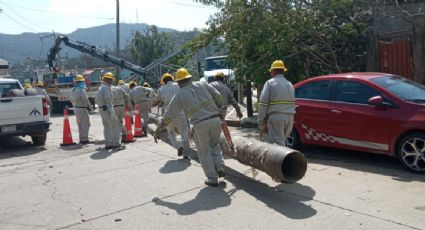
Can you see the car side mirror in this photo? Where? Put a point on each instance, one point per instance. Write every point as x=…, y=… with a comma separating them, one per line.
x=377, y=101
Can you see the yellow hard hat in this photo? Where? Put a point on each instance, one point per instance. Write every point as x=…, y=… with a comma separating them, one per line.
x=165, y=76
x=278, y=64
x=79, y=78
x=28, y=85
x=121, y=82
x=146, y=84
x=108, y=75
x=132, y=84
x=219, y=75
x=182, y=74
x=40, y=83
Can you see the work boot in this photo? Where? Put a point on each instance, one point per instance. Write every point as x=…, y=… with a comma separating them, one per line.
x=211, y=183
x=180, y=151
x=119, y=147
x=221, y=173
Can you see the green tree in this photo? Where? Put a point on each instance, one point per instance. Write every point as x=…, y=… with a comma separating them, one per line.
x=146, y=46
x=312, y=37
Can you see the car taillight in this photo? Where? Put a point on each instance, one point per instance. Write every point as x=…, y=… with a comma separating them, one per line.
x=45, y=107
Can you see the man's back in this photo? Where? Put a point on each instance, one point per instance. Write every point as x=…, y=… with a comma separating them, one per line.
x=198, y=100
x=278, y=95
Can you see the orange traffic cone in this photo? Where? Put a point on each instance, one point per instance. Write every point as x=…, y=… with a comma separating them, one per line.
x=138, y=131
x=129, y=133
x=67, y=136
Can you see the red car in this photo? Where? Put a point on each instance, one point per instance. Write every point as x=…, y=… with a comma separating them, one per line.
x=372, y=112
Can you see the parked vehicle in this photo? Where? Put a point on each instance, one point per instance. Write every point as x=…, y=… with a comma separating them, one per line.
x=214, y=65
x=372, y=112
x=22, y=115
x=4, y=68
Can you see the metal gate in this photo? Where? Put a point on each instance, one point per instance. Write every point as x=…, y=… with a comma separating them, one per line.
x=395, y=57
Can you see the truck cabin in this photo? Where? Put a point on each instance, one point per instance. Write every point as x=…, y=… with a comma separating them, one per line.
x=214, y=65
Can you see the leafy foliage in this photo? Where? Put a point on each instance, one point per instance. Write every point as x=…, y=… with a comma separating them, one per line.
x=313, y=37
x=144, y=47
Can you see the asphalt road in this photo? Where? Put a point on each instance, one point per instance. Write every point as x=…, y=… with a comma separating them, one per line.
x=146, y=186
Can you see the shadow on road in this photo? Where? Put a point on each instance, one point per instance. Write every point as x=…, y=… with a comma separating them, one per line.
x=208, y=198
x=360, y=161
x=287, y=203
x=102, y=153
x=174, y=166
x=17, y=147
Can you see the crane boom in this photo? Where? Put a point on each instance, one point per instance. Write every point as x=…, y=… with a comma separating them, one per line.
x=92, y=51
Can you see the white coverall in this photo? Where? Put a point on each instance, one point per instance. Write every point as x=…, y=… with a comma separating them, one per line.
x=166, y=94
x=227, y=96
x=111, y=125
x=42, y=92
x=277, y=106
x=201, y=102
x=142, y=96
x=120, y=102
x=80, y=102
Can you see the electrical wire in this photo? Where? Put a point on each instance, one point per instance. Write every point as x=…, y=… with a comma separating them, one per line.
x=190, y=5
x=19, y=23
x=56, y=13
x=22, y=17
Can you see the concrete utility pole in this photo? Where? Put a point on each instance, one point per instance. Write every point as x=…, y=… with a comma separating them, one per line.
x=117, y=39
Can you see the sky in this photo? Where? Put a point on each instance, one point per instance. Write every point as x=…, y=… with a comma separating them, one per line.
x=65, y=16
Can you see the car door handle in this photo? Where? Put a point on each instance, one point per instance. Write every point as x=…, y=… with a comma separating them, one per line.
x=6, y=100
x=337, y=112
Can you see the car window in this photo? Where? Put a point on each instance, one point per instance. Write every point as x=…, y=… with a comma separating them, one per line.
x=6, y=88
x=354, y=92
x=402, y=88
x=317, y=90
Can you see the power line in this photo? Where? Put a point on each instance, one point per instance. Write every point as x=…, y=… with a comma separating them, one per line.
x=22, y=16
x=56, y=13
x=190, y=5
x=11, y=18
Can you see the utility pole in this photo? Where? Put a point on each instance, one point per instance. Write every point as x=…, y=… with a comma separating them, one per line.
x=117, y=39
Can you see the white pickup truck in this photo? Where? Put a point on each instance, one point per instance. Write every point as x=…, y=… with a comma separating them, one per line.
x=22, y=115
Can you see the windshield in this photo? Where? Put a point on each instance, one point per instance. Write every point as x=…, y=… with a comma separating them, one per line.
x=402, y=88
x=216, y=63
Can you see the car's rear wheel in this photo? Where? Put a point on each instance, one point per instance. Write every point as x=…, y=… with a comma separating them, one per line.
x=39, y=139
x=411, y=152
x=293, y=141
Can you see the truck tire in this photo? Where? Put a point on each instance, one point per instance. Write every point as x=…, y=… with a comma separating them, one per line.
x=39, y=139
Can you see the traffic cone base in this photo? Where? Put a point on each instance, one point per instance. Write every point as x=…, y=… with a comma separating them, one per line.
x=138, y=131
x=128, y=137
x=67, y=135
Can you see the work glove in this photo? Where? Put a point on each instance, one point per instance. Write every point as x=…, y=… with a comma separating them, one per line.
x=239, y=113
x=260, y=124
x=157, y=132
x=104, y=107
x=222, y=116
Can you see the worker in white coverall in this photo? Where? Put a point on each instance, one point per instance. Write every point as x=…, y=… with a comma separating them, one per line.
x=80, y=102
x=41, y=91
x=277, y=105
x=201, y=103
x=142, y=97
x=111, y=124
x=164, y=96
x=226, y=94
x=122, y=85
x=120, y=102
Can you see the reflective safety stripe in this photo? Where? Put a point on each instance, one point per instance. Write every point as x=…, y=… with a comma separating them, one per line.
x=199, y=107
x=167, y=119
x=277, y=103
x=281, y=102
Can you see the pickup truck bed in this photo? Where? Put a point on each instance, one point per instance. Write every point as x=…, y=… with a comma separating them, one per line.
x=23, y=115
